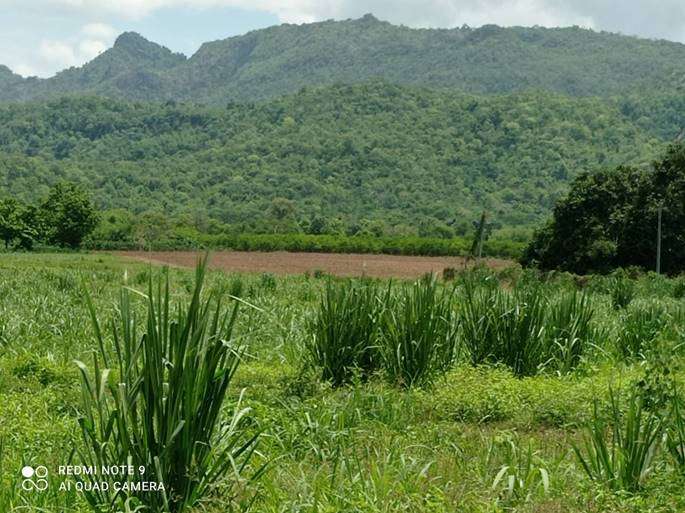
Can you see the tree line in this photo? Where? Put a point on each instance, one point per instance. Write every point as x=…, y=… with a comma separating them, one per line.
x=68, y=218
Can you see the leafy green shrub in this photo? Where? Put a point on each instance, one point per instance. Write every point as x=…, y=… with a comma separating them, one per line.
x=343, y=331
x=656, y=384
x=236, y=286
x=624, y=461
x=449, y=273
x=418, y=334
x=156, y=400
x=142, y=277
x=678, y=291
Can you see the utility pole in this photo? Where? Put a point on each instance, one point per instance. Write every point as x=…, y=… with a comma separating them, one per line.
x=477, y=246
x=658, y=239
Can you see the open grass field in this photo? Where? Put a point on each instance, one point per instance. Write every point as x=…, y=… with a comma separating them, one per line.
x=498, y=391
x=283, y=263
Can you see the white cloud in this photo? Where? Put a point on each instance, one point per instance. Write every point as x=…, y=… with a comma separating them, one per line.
x=640, y=17
x=643, y=17
x=58, y=52
x=100, y=31
x=24, y=70
x=292, y=11
x=91, y=48
x=75, y=50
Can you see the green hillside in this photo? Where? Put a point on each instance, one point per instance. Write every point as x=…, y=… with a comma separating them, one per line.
x=412, y=159
x=280, y=60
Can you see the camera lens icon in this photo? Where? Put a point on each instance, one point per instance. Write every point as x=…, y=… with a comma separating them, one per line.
x=35, y=479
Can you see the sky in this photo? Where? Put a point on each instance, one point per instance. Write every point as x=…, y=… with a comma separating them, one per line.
x=41, y=37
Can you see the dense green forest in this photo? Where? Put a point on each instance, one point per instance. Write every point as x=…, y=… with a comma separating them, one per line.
x=403, y=160
x=281, y=59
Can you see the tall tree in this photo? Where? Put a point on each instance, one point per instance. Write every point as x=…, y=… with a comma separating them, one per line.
x=10, y=224
x=69, y=215
x=19, y=224
x=609, y=219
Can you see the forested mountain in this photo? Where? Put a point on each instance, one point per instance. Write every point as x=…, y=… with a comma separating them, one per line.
x=280, y=60
x=411, y=158
x=132, y=68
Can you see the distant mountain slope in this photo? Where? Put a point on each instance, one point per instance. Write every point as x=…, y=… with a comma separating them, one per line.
x=133, y=68
x=278, y=60
x=410, y=157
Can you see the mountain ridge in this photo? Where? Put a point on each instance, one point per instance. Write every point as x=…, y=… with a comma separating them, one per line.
x=281, y=59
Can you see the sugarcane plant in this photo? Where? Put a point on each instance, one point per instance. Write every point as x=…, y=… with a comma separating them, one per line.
x=156, y=400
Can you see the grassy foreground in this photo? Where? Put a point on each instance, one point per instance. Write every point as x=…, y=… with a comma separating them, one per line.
x=473, y=438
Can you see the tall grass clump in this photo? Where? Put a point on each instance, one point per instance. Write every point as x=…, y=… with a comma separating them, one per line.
x=526, y=329
x=502, y=327
x=675, y=432
x=641, y=326
x=343, y=331
x=619, y=451
x=622, y=290
x=418, y=333
x=568, y=330
x=154, y=401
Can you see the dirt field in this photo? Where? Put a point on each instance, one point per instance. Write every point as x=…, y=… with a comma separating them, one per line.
x=281, y=262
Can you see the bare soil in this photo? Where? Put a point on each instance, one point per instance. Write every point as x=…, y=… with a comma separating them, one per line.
x=281, y=262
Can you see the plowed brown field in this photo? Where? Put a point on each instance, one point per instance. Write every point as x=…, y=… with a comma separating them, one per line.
x=281, y=262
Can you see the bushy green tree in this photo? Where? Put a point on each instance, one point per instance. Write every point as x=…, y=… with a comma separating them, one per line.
x=318, y=225
x=150, y=227
x=114, y=226
x=18, y=224
x=9, y=220
x=663, y=186
x=282, y=215
x=609, y=219
x=69, y=215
